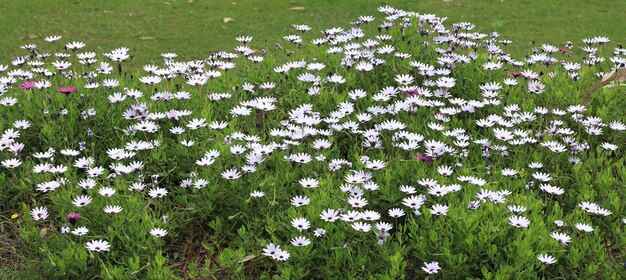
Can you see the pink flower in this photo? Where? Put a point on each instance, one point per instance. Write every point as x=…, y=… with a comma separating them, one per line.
x=73, y=218
x=66, y=90
x=413, y=92
x=27, y=85
x=515, y=74
x=426, y=159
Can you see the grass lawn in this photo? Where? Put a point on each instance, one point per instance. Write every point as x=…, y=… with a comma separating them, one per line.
x=193, y=29
x=218, y=224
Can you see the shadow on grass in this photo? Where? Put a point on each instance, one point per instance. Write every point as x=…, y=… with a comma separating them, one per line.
x=14, y=255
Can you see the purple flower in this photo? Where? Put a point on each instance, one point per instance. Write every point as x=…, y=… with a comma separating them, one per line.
x=27, y=85
x=66, y=90
x=73, y=218
x=426, y=159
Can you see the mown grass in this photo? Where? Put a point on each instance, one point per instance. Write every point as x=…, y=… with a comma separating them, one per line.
x=196, y=28
x=212, y=230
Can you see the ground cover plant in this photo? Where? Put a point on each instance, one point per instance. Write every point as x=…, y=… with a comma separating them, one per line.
x=397, y=146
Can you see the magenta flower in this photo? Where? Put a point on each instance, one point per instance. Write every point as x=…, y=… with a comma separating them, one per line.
x=413, y=92
x=27, y=85
x=515, y=74
x=564, y=51
x=66, y=90
x=73, y=218
x=426, y=159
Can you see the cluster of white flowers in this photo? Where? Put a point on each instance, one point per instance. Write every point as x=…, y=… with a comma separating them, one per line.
x=308, y=133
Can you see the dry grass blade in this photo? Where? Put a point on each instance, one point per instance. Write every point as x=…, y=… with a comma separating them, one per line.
x=613, y=77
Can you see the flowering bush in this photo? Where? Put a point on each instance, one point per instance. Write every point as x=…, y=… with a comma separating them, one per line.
x=400, y=147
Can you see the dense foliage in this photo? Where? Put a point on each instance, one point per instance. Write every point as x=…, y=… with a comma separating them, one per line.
x=399, y=147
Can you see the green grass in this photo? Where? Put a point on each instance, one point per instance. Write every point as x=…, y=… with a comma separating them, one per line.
x=211, y=231
x=196, y=29
x=20, y=272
